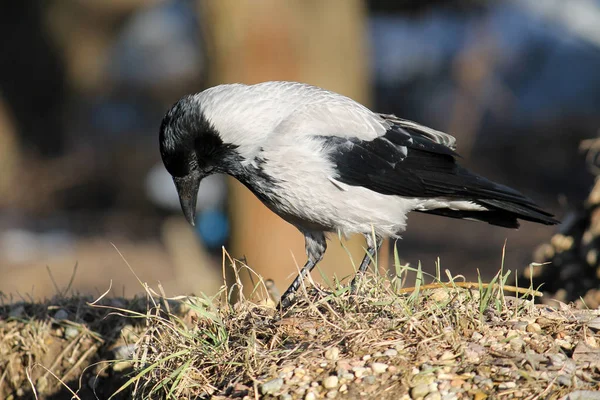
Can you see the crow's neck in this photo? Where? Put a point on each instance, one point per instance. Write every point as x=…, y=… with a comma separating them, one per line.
x=253, y=176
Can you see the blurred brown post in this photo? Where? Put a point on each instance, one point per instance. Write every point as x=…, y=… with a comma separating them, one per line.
x=318, y=42
x=9, y=155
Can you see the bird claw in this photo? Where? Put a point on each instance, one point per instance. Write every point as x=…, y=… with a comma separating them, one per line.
x=354, y=285
x=285, y=302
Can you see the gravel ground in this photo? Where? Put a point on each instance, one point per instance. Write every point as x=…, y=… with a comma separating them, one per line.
x=432, y=344
x=547, y=354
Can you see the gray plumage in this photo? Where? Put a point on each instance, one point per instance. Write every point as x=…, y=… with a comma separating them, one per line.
x=325, y=163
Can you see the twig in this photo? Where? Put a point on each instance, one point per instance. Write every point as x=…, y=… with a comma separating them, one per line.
x=473, y=285
x=62, y=354
x=81, y=359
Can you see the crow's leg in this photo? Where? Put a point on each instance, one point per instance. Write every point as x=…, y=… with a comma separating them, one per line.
x=373, y=245
x=315, y=249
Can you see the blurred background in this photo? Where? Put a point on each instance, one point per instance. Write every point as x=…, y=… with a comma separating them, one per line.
x=84, y=85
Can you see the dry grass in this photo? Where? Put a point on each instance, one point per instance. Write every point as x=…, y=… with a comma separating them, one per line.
x=471, y=342
x=62, y=342
x=438, y=337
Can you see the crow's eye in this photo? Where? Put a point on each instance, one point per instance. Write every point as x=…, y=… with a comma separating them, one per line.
x=176, y=164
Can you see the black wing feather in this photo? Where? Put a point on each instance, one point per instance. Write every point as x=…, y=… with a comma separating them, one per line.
x=402, y=162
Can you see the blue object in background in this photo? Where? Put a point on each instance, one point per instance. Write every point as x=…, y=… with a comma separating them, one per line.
x=213, y=228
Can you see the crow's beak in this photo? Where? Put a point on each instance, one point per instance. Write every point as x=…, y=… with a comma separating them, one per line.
x=187, y=189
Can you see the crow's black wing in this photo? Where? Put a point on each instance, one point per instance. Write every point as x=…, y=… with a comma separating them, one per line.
x=406, y=162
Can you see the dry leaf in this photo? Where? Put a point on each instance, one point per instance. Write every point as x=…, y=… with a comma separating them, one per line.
x=584, y=352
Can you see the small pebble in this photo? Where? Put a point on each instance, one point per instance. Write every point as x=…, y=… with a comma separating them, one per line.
x=564, y=380
x=41, y=384
x=369, y=379
x=343, y=388
x=332, y=394
x=476, y=336
x=310, y=396
x=121, y=366
x=443, y=386
x=271, y=386
x=565, y=344
x=557, y=359
x=377, y=354
x=457, y=383
x=423, y=379
x=343, y=364
x=447, y=355
x=366, y=357
x=419, y=391
x=390, y=353
x=511, y=334
x=128, y=332
x=379, y=368
x=517, y=344
x=357, y=363
x=331, y=382
x=285, y=375
x=450, y=396
x=332, y=354
x=285, y=396
x=433, y=396
x=71, y=332
x=479, y=395
x=507, y=385
x=440, y=295
x=61, y=315
x=314, y=384
x=124, y=352
x=359, y=371
x=534, y=328
x=521, y=326
x=348, y=376
x=299, y=372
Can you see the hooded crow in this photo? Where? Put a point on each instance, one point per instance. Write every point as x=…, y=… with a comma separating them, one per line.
x=325, y=163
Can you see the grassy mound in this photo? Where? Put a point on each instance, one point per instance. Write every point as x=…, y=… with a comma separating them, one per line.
x=444, y=340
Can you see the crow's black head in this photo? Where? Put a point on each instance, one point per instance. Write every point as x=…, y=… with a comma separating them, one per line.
x=188, y=141
x=191, y=149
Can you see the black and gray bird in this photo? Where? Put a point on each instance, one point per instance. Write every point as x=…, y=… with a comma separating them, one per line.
x=325, y=163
